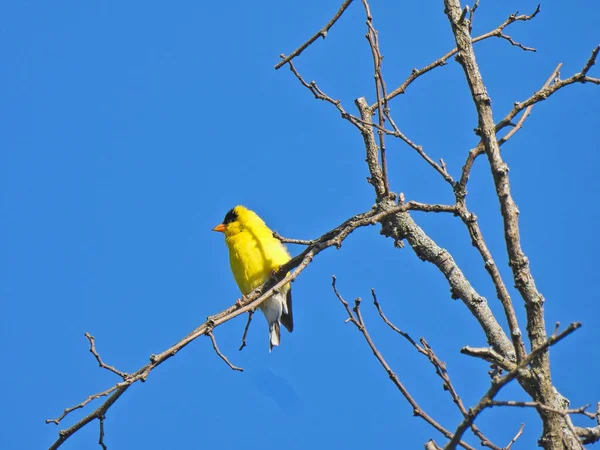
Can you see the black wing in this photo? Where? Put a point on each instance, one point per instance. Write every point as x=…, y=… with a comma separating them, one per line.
x=287, y=320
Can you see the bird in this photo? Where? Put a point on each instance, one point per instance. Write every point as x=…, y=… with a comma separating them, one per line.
x=254, y=256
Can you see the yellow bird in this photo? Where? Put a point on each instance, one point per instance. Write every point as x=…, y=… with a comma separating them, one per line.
x=254, y=254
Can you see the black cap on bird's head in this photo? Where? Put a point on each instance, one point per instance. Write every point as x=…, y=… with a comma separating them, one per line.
x=238, y=219
x=231, y=216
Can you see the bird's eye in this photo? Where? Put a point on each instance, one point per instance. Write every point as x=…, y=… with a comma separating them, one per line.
x=231, y=216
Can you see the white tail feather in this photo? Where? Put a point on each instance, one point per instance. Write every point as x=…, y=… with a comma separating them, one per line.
x=272, y=309
x=274, y=335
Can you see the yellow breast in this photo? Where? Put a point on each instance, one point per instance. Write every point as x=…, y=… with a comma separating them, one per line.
x=252, y=256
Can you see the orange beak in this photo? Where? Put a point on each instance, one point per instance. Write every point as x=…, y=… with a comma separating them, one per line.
x=220, y=228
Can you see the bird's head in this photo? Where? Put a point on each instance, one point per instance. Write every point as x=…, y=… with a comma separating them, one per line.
x=237, y=220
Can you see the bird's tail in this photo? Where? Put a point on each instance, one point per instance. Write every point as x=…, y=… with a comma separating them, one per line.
x=274, y=334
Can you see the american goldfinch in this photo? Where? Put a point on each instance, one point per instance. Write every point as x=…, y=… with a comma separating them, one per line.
x=254, y=254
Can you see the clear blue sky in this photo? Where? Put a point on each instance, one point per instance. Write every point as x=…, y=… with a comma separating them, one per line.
x=128, y=129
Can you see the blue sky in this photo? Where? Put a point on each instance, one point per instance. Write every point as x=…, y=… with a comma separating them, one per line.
x=130, y=128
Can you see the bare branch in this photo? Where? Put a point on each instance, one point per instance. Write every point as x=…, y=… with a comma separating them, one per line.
x=100, y=362
x=517, y=436
x=101, y=437
x=320, y=95
x=394, y=327
x=496, y=32
x=542, y=390
x=250, y=314
x=440, y=168
x=440, y=369
x=291, y=241
x=515, y=43
x=498, y=384
x=563, y=412
x=472, y=14
x=355, y=317
x=551, y=88
x=524, y=116
x=67, y=411
x=221, y=355
x=431, y=445
x=377, y=178
x=590, y=62
x=489, y=355
x=470, y=220
x=321, y=33
x=480, y=149
x=380, y=90
x=402, y=226
x=285, y=274
x=590, y=435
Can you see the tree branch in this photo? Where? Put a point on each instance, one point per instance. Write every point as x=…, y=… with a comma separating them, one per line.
x=218, y=352
x=496, y=32
x=563, y=412
x=489, y=355
x=321, y=33
x=380, y=91
x=402, y=226
x=499, y=383
x=355, y=317
x=550, y=88
x=440, y=370
x=100, y=362
x=334, y=237
x=517, y=436
x=542, y=390
x=250, y=314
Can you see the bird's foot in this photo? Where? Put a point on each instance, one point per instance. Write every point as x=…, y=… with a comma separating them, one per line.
x=238, y=302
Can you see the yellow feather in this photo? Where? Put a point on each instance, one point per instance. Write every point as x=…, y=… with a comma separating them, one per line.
x=253, y=251
x=253, y=255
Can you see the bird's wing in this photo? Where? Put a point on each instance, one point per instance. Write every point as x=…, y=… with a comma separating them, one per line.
x=287, y=317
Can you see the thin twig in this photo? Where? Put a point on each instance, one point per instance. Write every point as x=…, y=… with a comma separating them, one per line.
x=321, y=33
x=67, y=411
x=590, y=62
x=101, y=437
x=380, y=91
x=496, y=32
x=291, y=241
x=517, y=436
x=320, y=95
x=563, y=412
x=527, y=111
x=506, y=121
x=472, y=14
x=516, y=44
x=551, y=88
x=100, y=362
x=221, y=355
x=250, y=314
x=355, y=317
x=394, y=327
x=440, y=168
x=489, y=355
x=440, y=369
